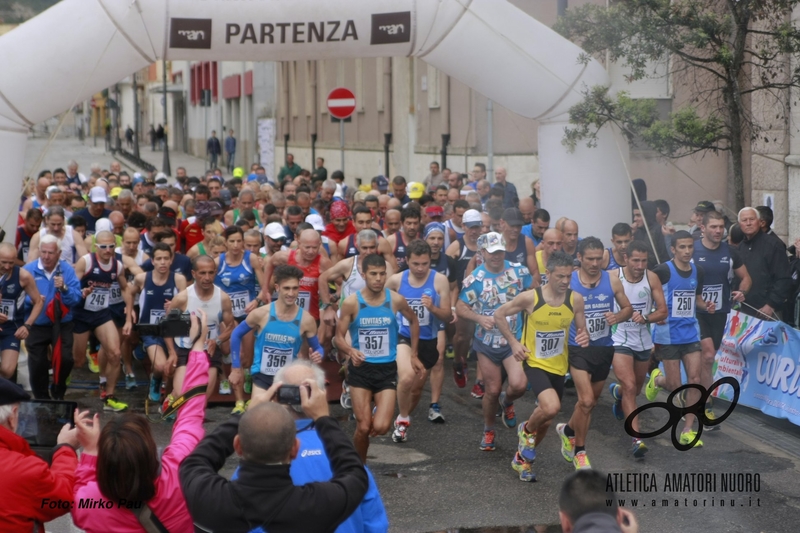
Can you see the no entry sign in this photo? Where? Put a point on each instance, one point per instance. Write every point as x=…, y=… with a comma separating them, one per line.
x=341, y=103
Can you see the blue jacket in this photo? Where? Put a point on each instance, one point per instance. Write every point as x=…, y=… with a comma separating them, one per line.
x=230, y=144
x=71, y=297
x=312, y=465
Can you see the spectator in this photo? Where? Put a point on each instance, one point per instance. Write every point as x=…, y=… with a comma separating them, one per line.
x=662, y=217
x=160, y=136
x=28, y=481
x=51, y=274
x=321, y=173
x=536, y=187
x=152, y=135
x=434, y=179
x=478, y=173
x=291, y=168
x=338, y=177
x=765, y=219
x=484, y=189
x=640, y=188
x=651, y=235
x=399, y=187
x=264, y=495
x=766, y=261
x=696, y=218
x=129, y=137
x=153, y=486
x=230, y=149
x=213, y=149
x=583, y=506
x=510, y=197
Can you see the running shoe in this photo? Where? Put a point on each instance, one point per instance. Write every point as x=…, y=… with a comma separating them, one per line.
x=568, y=383
x=94, y=367
x=639, y=448
x=509, y=416
x=130, y=381
x=225, y=387
x=523, y=468
x=567, y=443
x=103, y=390
x=344, y=399
x=435, y=414
x=460, y=375
x=487, y=443
x=650, y=390
x=616, y=395
x=400, y=431
x=248, y=383
x=155, y=389
x=449, y=352
x=112, y=404
x=527, y=444
x=711, y=417
x=581, y=461
x=478, y=391
x=688, y=437
x=238, y=409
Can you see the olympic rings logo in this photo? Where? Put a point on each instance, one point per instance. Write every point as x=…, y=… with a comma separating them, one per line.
x=676, y=413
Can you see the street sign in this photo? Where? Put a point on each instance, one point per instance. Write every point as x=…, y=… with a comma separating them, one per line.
x=341, y=103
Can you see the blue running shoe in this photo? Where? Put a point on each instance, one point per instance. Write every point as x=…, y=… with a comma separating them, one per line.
x=155, y=389
x=616, y=391
x=526, y=447
x=616, y=408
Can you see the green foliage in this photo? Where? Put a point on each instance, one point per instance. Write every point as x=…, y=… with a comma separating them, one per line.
x=18, y=11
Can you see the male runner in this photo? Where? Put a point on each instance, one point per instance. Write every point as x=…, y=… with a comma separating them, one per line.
x=550, y=311
x=15, y=283
x=633, y=343
x=97, y=273
x=132, y=259
x=621, y=238
x=454, y=226
x=569, y=231
x=589, y=366
x=370, y=316
x=462, y=250
x=211, y=228
x=216, y=304
x=489, y=286
x=362, y=219
x=25, y=232
x=71, y=242
x=552, y=241
x=519, y=249
x=155, y=289
x=391, y=223
x=679, y=338
x=410, y=217
x=718, y=261
x=280, y=327
x=428, y=294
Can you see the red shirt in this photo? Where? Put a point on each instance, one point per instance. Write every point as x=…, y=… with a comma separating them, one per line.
x=308, y=298
x=335, y=235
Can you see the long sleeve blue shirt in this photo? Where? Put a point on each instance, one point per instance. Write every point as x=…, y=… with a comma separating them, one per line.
x=44, y=282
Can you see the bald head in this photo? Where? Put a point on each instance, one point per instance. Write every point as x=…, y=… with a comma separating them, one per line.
x=7, y=251
x=393, y=203
x=309, y=236
x=171, y=204
x=300, y=370
x=553, y=240
x=267, y=434
x=116, y=218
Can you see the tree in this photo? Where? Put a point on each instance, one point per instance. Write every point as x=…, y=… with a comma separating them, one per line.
x=726, y=53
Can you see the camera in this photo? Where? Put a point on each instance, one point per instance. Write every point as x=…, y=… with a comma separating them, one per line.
x=290, y=394
x=174, y=324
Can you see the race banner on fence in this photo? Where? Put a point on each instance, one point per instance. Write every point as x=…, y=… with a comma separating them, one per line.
x=765, y=358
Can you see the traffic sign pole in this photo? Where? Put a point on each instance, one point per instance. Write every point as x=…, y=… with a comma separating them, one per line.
x=341, y=141
x=341, y=104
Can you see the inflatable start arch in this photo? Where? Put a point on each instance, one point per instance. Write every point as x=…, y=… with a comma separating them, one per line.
x=79, y=47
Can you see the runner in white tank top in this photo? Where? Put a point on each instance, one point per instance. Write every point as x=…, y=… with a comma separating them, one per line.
x=67, y=244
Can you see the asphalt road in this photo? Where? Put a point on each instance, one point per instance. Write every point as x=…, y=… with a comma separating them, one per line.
x=439, y=480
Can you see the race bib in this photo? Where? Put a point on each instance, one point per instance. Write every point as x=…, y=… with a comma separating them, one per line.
x=549, y=344
x=273, y=359
x=156, y=315
x=97, y=300
x=304, y=299
x=597, y=325
x=713, y=293
x=116, y=294
x=8, y=307
x=683, y=304
x=239, y=301
x=641, y=307
x=25, y=250
x=423, y=315
x=374, y=342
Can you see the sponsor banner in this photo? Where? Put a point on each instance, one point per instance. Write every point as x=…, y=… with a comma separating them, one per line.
x=765, y=358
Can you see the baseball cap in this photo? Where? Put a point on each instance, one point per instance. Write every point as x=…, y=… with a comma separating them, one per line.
x=492, y=242
x=415, y=190
x=513, y=217
x=98, y=195
x=137, y=179
x=316, y=221
x=275, y=231
x=149, y=179
x=138, y=175
x=704, y=206
x=238, y=172
x=382, y=183
x=115, y=192
x=252, y=176
x=432, y=227
x=359, y=196
x=103, y=224
x=225, y=196
x=215, y=208
x=161, y=179
x=10, y=392
x=471, y=218
x=434, y=211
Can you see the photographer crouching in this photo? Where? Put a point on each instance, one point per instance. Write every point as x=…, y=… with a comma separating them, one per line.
x=264, y=497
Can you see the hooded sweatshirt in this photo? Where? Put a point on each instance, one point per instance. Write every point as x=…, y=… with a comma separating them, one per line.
x=660, y=255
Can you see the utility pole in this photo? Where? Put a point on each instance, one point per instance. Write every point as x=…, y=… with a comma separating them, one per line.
x=166, y=167
x=135, y=117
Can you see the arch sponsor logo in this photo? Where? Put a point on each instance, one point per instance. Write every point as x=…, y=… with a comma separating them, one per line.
x=391, y=28
x=190, y=33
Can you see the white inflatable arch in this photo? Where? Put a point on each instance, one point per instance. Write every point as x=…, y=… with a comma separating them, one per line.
x=79, y=47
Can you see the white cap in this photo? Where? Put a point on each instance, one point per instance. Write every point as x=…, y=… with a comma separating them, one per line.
x=103, y=224
x=316, y=221
x=492, y=242
x=98, y=195
x=274, y=231
x=471, y=218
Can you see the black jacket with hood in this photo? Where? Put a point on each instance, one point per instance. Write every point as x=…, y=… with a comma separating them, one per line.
x=660, y=254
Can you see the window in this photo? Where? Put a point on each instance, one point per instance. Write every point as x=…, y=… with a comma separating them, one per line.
x=359, y=89
x=433, y=87
x=379, y=81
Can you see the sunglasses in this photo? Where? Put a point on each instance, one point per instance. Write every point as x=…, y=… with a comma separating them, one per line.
x=105, y=246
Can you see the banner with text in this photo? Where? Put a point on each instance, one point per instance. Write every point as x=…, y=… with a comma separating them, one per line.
x=765, y=358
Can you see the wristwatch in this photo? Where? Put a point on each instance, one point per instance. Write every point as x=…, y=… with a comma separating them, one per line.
x=324, y=305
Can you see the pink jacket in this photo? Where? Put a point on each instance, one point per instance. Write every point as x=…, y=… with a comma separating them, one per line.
x=168, y=504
